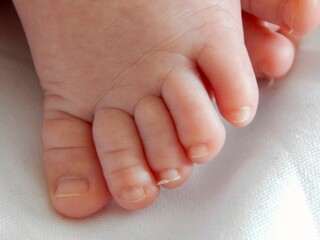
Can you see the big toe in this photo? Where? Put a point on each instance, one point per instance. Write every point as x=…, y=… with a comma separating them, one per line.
x=76, y=183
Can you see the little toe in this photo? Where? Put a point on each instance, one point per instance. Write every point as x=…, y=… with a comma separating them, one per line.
x=165, y=154
x=271, y=53
x=198, y=126
x=296, y=16
x=121, y=155
x=230, y=74
x=76, y=183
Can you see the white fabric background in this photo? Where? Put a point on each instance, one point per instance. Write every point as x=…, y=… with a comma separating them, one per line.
x=264, y=185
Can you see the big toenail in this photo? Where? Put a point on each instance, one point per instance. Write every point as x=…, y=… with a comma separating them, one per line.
x=168, y=176
x=72, y=187
x=240, y=115
x=133, y=194
x=198, y=151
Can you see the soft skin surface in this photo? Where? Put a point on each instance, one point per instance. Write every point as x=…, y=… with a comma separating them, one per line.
x=272, y=47
x=272, y=53
x=127, y=92
x=299, y=17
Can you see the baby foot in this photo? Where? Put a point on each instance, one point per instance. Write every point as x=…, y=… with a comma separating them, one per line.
x=298, y=17
x=140, y=77
x=272, y=50
x=126, y=86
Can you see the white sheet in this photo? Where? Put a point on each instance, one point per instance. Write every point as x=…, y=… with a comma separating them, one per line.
x=264, y=185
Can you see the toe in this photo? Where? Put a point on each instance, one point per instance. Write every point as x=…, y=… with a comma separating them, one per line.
x=271, y=53
x=121, y=155
x=296, y=16
x=230, y=73
x=198, y=126
x=165, y=154
x=76, y=183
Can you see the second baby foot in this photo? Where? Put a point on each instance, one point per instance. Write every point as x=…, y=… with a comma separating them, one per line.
x=271, y=51
x=127, y=94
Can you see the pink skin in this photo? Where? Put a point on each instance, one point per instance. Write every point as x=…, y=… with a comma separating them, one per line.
x=299, y=17
x=273, y=52
x=126, y=108
x=296, y=18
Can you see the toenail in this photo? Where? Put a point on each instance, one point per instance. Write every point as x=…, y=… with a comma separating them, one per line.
x=240, y=115
x=133, y=194
x=198, y=151
x=168, y=176
x=72, y=187
x=288, y=19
